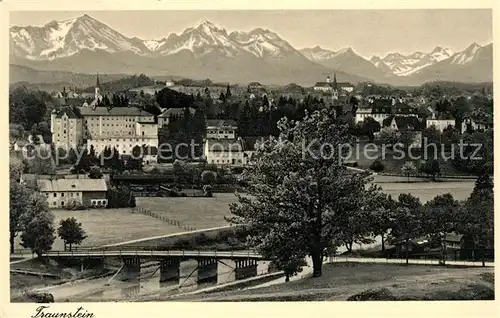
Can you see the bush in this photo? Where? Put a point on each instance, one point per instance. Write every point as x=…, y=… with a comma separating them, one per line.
x=208, y=177
x=377, y=166
x=75, y=206
x=207, y=191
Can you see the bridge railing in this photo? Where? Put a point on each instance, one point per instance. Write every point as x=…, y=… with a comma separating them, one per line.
x=152, y=253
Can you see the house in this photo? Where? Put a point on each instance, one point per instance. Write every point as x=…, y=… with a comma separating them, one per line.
x=469, y=124
x=402, y=124
x=61, y=193
x=427, y=247
x=255, y=85
x=379, y=113
x=225, y=152
x=221, y=129
x=164, y=117
x=440, y=124
x=348, y=87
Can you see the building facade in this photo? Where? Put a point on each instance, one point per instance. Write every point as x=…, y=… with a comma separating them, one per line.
x=61, y=193
x=221, y=129
x=440, y=124
x=66, y=126
x=100, y=122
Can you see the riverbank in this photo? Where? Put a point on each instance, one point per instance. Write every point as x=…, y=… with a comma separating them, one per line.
x=342, y=281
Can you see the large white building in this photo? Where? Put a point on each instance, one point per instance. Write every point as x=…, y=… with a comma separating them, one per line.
x=225, y=152
x=66, y=126
x=221, y=129
x=222, y=146
x=61, y=193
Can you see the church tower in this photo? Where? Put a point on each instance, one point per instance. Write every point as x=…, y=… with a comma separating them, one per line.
x=335, y=91
x=97, y=87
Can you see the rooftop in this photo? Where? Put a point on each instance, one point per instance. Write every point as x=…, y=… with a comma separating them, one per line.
x=221, y=123
x=115, y=111
x=176, y=112
x=66, y=185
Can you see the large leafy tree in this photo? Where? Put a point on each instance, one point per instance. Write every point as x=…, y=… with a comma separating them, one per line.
x=439, y=218
x=19, y=206
x=71, y=232
x=369, y=127
x=382, y=219
x=38, y=232
x=476, y=219
x=407, y=221
x=301, y=198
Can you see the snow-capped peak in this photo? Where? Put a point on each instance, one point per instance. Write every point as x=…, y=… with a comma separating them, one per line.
x=466, y=55
x=404, y=65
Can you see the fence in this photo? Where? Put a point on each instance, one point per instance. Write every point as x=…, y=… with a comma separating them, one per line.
x=418, y=261
x=163, y=218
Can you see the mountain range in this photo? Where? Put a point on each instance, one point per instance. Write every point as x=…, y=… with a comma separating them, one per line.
x=86, y=45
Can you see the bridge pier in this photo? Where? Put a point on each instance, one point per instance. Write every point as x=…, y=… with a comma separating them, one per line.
x=207, y=270
x=188, y=275
x=226, y=271
x=131, y=269
x=169, y=270
x=262, y=267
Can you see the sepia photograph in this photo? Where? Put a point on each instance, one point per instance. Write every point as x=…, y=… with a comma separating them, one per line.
x=250, y=155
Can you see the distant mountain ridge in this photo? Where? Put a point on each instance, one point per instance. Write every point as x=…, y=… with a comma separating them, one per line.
x=86, y=45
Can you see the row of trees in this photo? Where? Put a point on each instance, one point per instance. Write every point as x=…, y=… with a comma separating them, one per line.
x=29, y=216
x=308, y=204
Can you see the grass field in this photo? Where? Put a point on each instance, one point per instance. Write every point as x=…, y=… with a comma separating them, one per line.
x=196, y=212
x=107, y=226
x=340, y=281
x=209, y=212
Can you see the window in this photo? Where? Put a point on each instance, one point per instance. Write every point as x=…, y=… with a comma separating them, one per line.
x=55, y=195
x=62, y=195
x=62, y=203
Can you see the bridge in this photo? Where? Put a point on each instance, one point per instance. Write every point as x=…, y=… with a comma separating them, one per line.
x=187, y=267
x=144, y=253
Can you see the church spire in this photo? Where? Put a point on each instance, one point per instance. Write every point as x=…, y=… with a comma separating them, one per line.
x=335, y=80
x=97, y=83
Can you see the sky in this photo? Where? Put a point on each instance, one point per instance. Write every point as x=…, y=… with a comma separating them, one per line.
x=368, y=32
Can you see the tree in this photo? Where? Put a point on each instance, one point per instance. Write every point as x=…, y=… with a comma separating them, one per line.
x=406, y=138
x=19, y=206
x=459, y=109
x=71, y=232
x=95, y=173
x=377, y=166
x=439, y=218
x=208, y=177
x=407, y=221
x=431, y=167
x=369, y=127
x=432, y=135
x=41, y=161
x=476, y=218
x=120, y=197
x=383, y=217
x=388, y=136
x=16, y=132
x=16, y=167
x=409, y=169
x=299, y=202
x=38, y=233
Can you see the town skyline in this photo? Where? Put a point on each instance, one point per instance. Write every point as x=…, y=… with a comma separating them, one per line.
x=450, y=28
